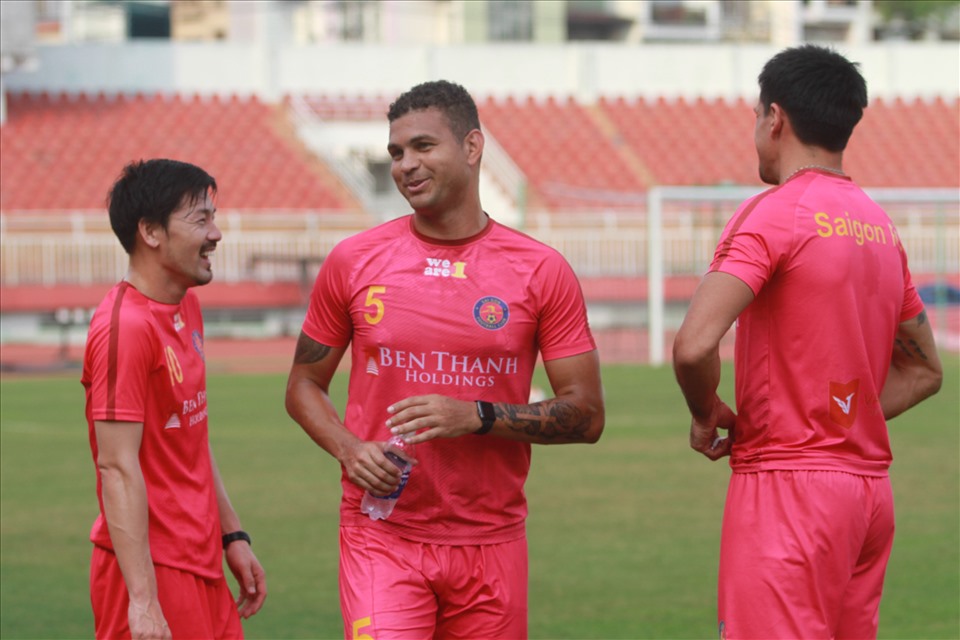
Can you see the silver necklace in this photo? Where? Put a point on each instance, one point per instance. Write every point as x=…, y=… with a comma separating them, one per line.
x=838, y=172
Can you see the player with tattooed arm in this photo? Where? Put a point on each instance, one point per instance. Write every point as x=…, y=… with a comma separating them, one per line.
x=445, y=312
x=831, y=342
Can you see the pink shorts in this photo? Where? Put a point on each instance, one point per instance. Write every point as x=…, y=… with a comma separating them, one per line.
x=803, y=554
x=391, y=587
x=195, y=608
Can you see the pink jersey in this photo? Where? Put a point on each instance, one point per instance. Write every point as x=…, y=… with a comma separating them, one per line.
x=813, y=349
x=464, y=319
x=144, y=363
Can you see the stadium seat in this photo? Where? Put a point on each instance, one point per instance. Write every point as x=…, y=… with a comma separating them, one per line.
x=574, y=156
x=72, y=147
x=563, y=152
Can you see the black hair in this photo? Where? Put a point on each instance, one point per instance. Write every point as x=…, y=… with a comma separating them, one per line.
x=821, y=92
x=151, y=190
x=450, y=98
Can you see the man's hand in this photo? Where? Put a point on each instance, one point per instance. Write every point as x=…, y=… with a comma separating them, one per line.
x=250, y=577
x=423, y=418
x=147, y=622
x=368, y=468
x=704, y=436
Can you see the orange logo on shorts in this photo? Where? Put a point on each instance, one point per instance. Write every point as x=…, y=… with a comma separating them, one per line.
x=843, y=402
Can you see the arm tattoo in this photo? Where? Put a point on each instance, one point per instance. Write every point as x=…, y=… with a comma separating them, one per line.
x=903, y=347
x=553, y=419
x=309, y=350
x=911, y=349
x=919, y=351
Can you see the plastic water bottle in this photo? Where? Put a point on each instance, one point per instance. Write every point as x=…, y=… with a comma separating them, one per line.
x=400, y=453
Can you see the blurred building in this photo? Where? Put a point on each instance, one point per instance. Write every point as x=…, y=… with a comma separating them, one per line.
x=445, y=22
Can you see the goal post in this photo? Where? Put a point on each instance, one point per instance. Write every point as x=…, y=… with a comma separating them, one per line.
x=667, y=205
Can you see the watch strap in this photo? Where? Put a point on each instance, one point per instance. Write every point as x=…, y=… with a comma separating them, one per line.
x=487, y=417
x=236, y=535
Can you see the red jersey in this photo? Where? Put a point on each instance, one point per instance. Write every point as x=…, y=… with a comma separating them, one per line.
x=465, y=319
x=144, y=363
x=813, y=348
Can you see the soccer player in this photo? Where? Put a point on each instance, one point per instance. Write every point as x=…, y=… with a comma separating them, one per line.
x=165, y=519
x=832, y=341
x=445, y=312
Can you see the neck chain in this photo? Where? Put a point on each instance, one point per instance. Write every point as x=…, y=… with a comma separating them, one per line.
x=838, y=172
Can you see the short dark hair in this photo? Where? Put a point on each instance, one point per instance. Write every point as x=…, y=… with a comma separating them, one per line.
x=450, y=98
x=821, y=92
x=151, y=190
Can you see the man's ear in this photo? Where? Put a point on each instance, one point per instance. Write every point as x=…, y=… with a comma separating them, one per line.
x=778, y=120
x=149, y=232
x=473, y=146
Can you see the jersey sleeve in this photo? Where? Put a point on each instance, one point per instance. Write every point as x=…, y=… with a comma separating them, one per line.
x=563, y=330
x=123, y=353
x=754, y=243
x=328, y=315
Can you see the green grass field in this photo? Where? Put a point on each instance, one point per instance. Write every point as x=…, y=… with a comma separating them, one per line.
x=623, y=534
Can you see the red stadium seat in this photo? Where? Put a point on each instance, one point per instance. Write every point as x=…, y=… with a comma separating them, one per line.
x=72, y=147
x=65, y=150
x=560, y=148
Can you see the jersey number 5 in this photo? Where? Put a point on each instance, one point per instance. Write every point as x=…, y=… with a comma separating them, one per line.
x=361, y=624
x=375, y=302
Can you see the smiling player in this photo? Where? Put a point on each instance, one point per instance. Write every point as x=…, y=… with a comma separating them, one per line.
x=165, y=517
x=445, y=312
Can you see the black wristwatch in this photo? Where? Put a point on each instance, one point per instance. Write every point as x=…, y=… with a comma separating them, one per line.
x=236, y=535
x=487, y=417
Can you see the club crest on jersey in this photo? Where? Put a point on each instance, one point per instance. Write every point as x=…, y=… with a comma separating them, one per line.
x=491, y=312
x=198, y=344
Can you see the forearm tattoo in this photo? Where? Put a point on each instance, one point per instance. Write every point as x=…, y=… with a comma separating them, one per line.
x=551, y=420
x=309, y=350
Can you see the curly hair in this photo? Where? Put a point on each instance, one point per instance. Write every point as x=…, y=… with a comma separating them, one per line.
x=450, y=98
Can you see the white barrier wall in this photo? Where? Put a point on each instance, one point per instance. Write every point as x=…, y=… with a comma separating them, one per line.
x=582, y=70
